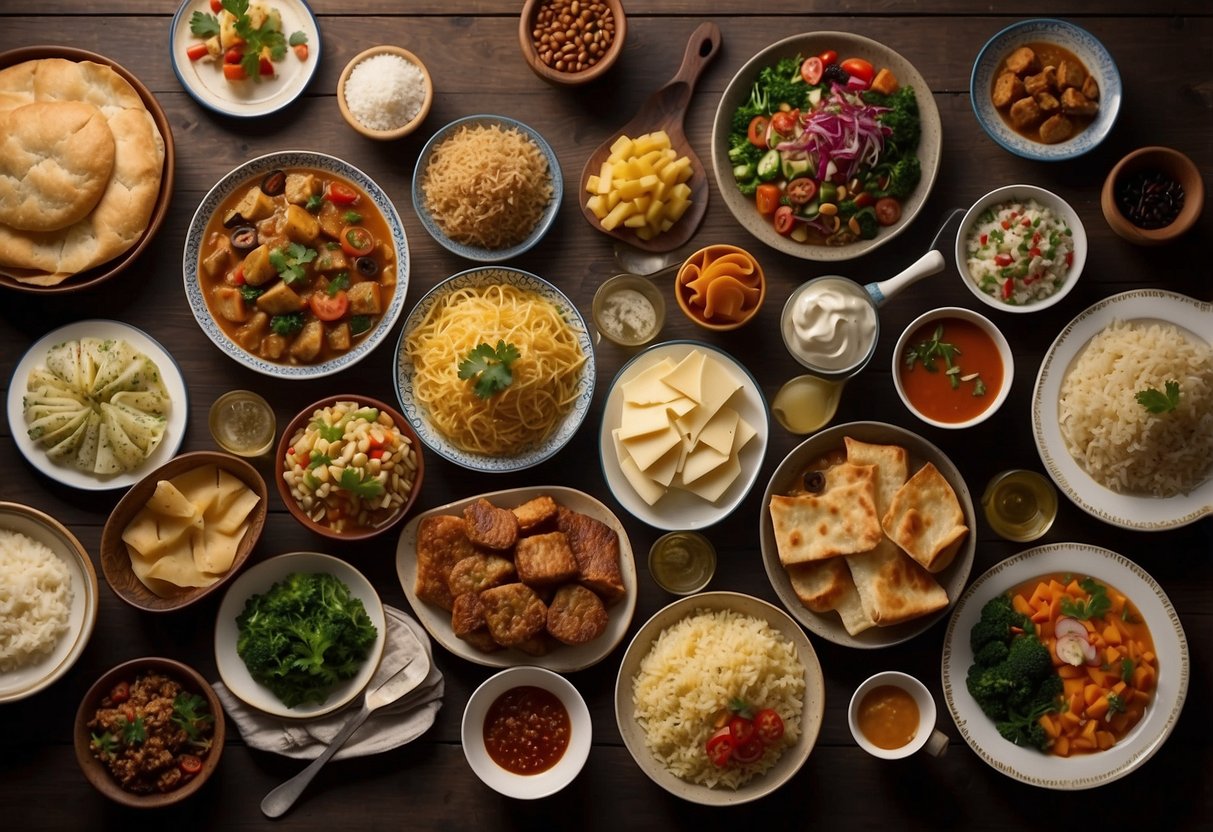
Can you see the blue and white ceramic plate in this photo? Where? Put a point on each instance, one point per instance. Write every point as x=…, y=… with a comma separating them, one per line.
x=415, y=412
x=487, y=255
x=253, y=169
x=1079, y=41
x=203, y=79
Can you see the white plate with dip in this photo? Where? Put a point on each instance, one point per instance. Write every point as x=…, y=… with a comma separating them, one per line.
x=203, y=79
x=35, y=357
x=678, y=508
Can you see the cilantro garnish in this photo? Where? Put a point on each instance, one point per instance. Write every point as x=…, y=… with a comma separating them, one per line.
x=106, y=744
x=1116, y=704
x=368, y=488
x=1156, y=402
x=360, y=324
x=339, y=282
x=489, y=367
x=287, y=324
x=251, y=293
x=314, y=202
x=1096, y=606
x=265, y=36
x=928, y=352
x=319, y=459
x=189, y=713
x=329, y=432
x=352, y=217
x=133, y=732
x=290, y=261
x=204, y=25
x=1126, y=670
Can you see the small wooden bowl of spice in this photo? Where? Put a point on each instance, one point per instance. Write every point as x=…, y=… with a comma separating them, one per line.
x=1152, y=196
x=385, y=92
x=571, y=42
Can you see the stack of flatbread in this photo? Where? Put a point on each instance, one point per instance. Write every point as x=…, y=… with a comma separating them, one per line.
x=80, y=166
x=868, y=543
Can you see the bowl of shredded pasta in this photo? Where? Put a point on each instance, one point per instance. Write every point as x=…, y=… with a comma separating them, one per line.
x=495, y=369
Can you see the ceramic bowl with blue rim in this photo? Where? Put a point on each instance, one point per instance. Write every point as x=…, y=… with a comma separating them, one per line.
x=253, y=170
x=415, y=412
x=1086, y=47
x=477, y=253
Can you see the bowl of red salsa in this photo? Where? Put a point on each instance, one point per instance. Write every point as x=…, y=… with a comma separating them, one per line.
x=526, y=732
x=952, y=367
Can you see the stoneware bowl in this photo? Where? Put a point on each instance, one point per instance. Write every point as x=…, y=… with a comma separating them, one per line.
x=99, y=776
x=116, y=560
x=566, y=78
x=297, y=425
x=404, y=129
x=703, y=263
x=1163, y=160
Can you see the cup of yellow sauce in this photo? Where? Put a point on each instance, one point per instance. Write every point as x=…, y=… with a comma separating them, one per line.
x=892, y=715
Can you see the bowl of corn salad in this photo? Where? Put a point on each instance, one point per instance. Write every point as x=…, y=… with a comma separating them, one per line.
x=349, y=467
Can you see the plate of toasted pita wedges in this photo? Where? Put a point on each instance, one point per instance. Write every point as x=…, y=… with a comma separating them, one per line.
x=541, y=575
x=867, y=534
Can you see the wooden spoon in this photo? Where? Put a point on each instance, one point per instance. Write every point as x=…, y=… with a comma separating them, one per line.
x=665, y=110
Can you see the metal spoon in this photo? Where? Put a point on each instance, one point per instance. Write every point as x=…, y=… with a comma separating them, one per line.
x=281, y=799
x=645, y=263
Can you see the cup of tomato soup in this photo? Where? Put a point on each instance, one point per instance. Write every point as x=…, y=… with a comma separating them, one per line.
x=892, y=715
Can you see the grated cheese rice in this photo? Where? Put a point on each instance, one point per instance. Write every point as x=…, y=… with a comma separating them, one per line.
x=385, y=92
x=35, y=600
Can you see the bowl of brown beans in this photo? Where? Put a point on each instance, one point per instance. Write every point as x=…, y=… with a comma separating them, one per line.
x=349, y=467
x=1152, y=196
x=570, y=42
x=149, y=733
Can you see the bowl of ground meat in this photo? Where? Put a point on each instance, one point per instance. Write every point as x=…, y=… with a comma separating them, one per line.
x=149, y=733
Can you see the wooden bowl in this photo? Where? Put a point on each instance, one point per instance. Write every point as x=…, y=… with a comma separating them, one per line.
x=1166, y=161
x=404, y=129
x=97, y=774
x=99, y=274
x=708, y=254
x=566, y=78
x=116, y=561
x=297, y=425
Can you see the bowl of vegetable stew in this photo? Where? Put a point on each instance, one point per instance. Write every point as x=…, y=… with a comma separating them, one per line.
x=826, y=145
x=138, y=704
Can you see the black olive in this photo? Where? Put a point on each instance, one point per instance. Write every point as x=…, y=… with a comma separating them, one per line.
x=815, y=482
x=244, y=238
x=366, y=266
x=234, y=219
x=274, y=183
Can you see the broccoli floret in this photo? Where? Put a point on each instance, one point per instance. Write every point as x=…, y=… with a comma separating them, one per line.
x=901, y=118
x=992, y=653
x=287, y=324
x=869, y=227
x=903, y=177
x=782, y=84
x=1028, y=658
x=742, y=152
x=997, y=619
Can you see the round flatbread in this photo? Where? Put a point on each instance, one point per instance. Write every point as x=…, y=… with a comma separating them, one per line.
x=56, y=159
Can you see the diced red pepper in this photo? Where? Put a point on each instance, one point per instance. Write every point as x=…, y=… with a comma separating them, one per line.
x=1030, y=279
x=238, y=277
x=1002, y=259
x=1007, y=288
x=1014, y=214
x=267, y=68
x=1036, y=238
x=1005, y=224
x=216, y=6
x=233, y=55
x=1027, y=223
x=376, y=453
x=985, y=238
x=1034, y=251
x=1069, y=259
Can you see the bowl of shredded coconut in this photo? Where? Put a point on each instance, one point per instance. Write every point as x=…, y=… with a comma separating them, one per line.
x=385, y=92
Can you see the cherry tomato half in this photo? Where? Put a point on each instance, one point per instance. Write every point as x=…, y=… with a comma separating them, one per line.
x=757, y=132
x=811, y=70
x=748, y=752
x=189, y=764
x=888, y=210
x=741, y=730
x=784, y=123
x=120, y=693
x=767, y=198
x=216, y=6
x=801, y=190
x=863, y=199
x=339, y=194
x=859, y=68
x=720, y=747
x=784, y=220
x=356, y=241
x=329, y=308
x=768, y=725
x=828, y=57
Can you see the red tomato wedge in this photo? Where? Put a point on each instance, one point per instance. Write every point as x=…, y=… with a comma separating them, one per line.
x=216, y=6
x=356, y=241
x=339, y=194
x=811, y=70
x=189, y=764
x=720, y=747
x=828, y=57
x=784, y=220
x=859, y=68
x=329, y=308
x=749, y=752
x=801, y=190
x=768, y=725
x=888, y=210
x=757, y=132
x=767, y=198
x=741, y=730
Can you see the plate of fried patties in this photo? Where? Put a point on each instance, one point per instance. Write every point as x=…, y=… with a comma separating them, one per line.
x=540, y=575
x=866, y=534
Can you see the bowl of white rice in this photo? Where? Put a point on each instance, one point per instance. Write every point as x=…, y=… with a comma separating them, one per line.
x=48, y=600
x=1021, y=248
x=693, y=661
x=385, y=92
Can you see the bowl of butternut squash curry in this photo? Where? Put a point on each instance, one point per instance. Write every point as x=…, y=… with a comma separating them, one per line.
x=296, y=264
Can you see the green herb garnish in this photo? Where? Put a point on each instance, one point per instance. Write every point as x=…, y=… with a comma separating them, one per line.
x=1097, y=606
x=490, y=367
x=1156, y=402
x=328, y=432
x=106, y=744
x=133, y=732
x=360, y=324
x=251, y=293
x=352, y=217
x=189, y=713
x=353, y=482
x=928, y=352
x=267, y=36
x=313, y=203
x=339, y=282
x=297, y=39
x=1116, y=704
x=317, y=459
x=204, y=25
x=1126, y=670
x=287, y=324
x=290, y=261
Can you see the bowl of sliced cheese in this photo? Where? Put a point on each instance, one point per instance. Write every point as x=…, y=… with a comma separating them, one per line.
x=183, y=530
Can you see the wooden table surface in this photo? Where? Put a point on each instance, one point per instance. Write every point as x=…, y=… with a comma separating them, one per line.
x=1163, y=50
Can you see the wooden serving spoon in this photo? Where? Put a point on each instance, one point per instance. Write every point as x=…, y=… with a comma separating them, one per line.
x=665, y=110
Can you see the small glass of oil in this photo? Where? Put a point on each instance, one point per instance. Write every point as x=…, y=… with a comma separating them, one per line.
x=682, y=563
x=1020, y=505
x=242, y=423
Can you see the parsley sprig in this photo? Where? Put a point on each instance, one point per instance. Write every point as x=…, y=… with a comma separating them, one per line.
x=929, y=352
x=133, y=732
x=353, y=482
x=190, y=714
x=490, y=367
x=290, y=261
x=1156, y=402
x=1094, y=607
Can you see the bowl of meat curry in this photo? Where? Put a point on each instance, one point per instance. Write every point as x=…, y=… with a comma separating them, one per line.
x=296, y=264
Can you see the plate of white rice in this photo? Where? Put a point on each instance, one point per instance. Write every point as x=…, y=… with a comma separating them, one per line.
x=48, y=600
x=686, y=664
x=1122, y=411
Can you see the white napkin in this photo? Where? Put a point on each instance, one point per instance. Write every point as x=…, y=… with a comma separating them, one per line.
x=387, y=728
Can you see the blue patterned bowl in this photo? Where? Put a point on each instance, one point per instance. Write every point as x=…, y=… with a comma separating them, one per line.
x=1086, y=47
x=487, y=255
x=193, y=248
x=415, y=413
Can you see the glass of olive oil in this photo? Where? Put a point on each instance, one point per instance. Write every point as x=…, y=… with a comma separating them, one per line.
x=682, y=563
x=1020, y=505
x=242, y=423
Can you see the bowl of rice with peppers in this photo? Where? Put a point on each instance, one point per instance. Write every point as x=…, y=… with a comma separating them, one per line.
x=720, y=698
x=1021, y=248
x=385, y=93
x=487, y=187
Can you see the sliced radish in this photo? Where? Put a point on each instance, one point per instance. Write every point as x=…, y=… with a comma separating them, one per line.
x=1090, y=653
x=1069, y=626
x=1072, y=649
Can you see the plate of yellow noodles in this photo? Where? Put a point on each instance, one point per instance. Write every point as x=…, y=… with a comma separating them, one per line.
x=495, y=369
